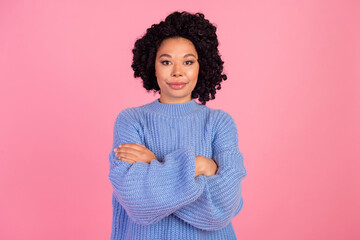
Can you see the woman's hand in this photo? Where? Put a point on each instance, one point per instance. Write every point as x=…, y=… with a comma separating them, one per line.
x=134, y=152
x=205, y=166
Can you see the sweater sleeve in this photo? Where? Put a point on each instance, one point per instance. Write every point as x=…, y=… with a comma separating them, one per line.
x=221, y=199
x=150, y=192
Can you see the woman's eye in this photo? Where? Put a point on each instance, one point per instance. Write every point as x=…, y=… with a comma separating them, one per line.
x=165, y=62
x=188, y=62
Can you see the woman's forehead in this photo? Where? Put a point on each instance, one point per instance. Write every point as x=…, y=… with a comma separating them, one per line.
x=177, y=46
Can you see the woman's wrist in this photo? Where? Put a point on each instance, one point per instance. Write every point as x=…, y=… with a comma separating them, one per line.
x=205, y=166
x=198, y=166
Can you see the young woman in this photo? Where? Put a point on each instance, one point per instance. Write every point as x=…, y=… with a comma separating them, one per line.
x=175, y=166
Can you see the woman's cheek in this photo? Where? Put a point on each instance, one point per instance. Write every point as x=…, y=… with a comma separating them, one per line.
x=195, y=74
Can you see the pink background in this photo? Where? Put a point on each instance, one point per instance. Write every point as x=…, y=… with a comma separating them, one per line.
x=293, y=88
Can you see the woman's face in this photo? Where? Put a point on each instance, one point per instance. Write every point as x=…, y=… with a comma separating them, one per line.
x=175, y=63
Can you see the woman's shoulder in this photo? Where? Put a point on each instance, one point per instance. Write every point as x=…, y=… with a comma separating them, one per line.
x=131, y=114
x=221, y=120
x=220, y=114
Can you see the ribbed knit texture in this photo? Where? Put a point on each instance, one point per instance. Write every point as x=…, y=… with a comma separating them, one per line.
x=164, y=199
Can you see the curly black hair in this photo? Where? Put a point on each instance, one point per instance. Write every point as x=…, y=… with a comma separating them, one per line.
x=201, y=33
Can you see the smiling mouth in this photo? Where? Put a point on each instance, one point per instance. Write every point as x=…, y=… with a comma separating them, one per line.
x=178, y=85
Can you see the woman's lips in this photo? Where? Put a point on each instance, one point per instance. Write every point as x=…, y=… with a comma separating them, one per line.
x=178, y=85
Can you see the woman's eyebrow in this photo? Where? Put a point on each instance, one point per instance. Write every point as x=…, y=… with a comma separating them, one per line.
x=189, y=54
x=165, y=55
x=186, y=55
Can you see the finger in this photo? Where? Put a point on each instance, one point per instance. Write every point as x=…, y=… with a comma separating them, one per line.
x=134, y=149
x=132, y=145
x=127, y=156
x=127, y=160
x=141, y=145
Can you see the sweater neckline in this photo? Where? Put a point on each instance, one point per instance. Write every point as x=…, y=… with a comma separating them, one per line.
x=173, y=109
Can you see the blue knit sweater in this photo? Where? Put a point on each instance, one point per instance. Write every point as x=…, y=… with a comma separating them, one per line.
x=164, y=199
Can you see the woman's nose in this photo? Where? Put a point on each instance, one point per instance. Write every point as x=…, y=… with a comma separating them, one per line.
x=177, y=70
